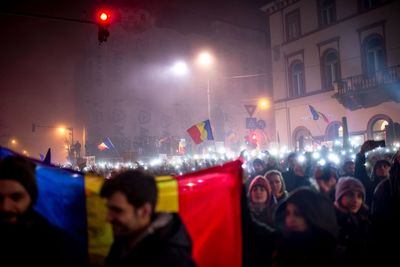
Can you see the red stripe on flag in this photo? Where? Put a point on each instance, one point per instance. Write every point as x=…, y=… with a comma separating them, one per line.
x=195, y=133
x=209, y=204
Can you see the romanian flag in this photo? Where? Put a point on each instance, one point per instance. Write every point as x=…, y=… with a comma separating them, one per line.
x=106, y=144
x=71, y=201
x=201, y=131
x=208, y=202
x=316, y=114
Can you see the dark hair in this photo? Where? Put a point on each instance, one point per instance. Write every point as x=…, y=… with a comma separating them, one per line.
x=138, y=187
x=21, y=170
x=258, y=161
x=327, y=171
x=347, y=162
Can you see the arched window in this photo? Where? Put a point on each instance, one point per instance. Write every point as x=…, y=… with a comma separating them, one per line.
x=296, y=79
x=334, y=131
x=378, y=129
x=330, y=66
x=302, y=138
x=374, y=54
x=376, y=126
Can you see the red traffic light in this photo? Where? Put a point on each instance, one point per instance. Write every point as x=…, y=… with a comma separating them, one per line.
x=103, y=17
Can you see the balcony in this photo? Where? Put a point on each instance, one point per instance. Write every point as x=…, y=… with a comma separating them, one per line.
x=364, y=91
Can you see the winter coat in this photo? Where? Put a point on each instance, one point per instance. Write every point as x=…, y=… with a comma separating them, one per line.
x=355, y=232
x=317, y=246
x=33, y=241
x=165, y=243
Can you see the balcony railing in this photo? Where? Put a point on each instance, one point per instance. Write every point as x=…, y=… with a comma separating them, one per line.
x=371, y=81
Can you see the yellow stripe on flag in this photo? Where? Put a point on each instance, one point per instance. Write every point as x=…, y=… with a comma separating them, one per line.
x=167, y=194
x=99, y=231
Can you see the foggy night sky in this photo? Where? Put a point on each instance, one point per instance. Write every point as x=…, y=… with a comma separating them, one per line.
x=38, y=58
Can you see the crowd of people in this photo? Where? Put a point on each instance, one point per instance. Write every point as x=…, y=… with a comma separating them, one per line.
x=299, y=213
x=329, y=215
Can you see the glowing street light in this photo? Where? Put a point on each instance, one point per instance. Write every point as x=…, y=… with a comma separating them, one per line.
x=180, y=68
x=205, y=59
x=13, y=142
x=63, y=129
x=264, y=103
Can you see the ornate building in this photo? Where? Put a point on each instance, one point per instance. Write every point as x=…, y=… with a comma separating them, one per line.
x=334, y=61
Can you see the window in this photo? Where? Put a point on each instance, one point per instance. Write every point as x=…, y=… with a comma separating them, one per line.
x=367, y=4
x=330, y=68
x=293, y=29
x=377, y=126
x=378, y=129
x=327, y=12
x=296, y=79
x=374, y=54
x=303, y=139
x=334, y=131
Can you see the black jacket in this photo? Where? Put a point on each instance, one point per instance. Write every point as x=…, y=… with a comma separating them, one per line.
x=165, y=243
x=33, y=241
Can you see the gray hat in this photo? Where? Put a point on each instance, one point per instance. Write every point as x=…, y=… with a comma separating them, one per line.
x=347, y=184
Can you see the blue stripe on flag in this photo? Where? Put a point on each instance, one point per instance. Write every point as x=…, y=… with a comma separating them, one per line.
x=62, y=200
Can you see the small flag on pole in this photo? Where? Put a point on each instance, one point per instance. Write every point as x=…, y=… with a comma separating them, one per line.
x=106, y=144
x=201, y=131
x=316, y=114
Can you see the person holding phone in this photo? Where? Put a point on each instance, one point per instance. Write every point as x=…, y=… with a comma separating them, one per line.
x=379, y=172
x=386, y=214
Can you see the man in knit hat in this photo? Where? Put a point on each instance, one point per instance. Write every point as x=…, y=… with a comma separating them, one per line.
x=27, y=238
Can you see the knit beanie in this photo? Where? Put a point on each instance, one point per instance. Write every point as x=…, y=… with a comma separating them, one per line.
x=21, y=170
x=260, y=181
x=347, y=184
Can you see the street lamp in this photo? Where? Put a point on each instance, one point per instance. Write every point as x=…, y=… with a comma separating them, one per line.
x=264, y=103
x=206, y=60
x=62, y=130
x=180, y=68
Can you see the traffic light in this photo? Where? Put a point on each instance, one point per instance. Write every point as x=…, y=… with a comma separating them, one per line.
x=251, y=140
x=103, y=21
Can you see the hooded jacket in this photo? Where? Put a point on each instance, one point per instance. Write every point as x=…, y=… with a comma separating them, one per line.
x=317, y=245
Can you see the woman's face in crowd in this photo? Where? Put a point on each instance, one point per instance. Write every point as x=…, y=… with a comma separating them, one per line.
x=276, y=184
x=352, y=201
x=259, y=194
x=294, y=221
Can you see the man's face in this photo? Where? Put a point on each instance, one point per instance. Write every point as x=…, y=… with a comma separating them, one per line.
x=382, y=170
x=350, y=168
x=123, y=216
x=14, y=201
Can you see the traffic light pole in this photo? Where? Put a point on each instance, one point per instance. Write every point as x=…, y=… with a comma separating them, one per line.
x=102, y=34
x=30, y=15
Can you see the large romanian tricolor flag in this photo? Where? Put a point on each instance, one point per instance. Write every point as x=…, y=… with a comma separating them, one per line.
x=208, y=202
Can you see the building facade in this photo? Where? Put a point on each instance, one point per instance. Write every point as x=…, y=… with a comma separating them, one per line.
x=334, y=62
